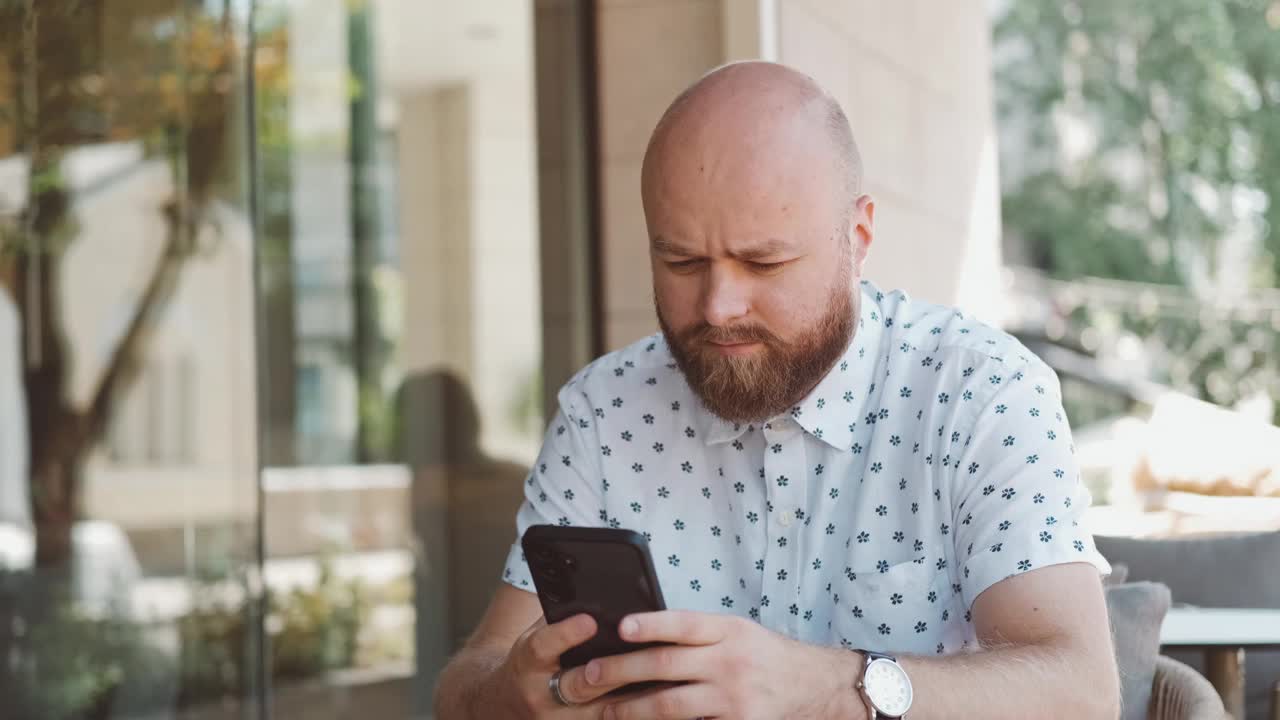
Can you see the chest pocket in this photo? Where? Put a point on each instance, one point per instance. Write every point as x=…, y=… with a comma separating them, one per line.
x=903, y=609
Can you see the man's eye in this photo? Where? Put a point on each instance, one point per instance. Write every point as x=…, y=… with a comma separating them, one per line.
x=765, y=267
x=683, y=264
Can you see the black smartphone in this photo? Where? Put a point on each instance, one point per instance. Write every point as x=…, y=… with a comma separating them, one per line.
x=606, y=573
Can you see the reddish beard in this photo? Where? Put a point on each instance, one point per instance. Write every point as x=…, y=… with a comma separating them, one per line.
x=760, y=385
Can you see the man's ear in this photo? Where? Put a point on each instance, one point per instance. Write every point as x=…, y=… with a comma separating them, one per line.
x=863, y=232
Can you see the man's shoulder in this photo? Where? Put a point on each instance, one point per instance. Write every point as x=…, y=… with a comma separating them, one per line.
x=942, y=332
x=644, y=366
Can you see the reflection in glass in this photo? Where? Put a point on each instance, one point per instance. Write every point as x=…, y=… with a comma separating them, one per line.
x=127, y=494
x=401, y=296
x=419, y=292
x=301, y=235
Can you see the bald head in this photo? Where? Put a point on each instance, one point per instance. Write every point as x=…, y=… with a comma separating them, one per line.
x=761, y=107
x=757, y=231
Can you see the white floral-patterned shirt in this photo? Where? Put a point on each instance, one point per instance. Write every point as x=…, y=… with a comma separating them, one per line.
x=931, y=462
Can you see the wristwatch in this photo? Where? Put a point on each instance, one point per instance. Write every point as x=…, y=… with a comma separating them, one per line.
x=885, y=685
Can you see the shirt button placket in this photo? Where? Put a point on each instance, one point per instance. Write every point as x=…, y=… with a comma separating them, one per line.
x=785, y=479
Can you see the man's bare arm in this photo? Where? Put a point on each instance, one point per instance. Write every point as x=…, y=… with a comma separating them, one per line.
x=1046, y=653
x=463, y=690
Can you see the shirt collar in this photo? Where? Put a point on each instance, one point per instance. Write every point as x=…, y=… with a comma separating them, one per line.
x=828, y=412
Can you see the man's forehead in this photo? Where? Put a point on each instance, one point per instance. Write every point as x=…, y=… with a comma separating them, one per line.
x=765, y=192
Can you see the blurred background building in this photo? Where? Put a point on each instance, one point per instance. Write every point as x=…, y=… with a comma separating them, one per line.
x=286, y=287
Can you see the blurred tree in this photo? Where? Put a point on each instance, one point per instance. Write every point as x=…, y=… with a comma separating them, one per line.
x=1140, y=133
x=81, y=72
x=277, y=272
x=370, y=347
x=1140, y=141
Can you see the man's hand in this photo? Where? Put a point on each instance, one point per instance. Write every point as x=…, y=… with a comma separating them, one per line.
x=521, y=686
x=729, y=667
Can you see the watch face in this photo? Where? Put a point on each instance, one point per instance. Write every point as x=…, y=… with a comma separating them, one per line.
x=888, y=688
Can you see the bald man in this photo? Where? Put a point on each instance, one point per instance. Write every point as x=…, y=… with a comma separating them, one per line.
x=860, y=505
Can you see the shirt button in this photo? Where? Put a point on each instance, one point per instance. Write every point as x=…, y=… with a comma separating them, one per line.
x=785, y=518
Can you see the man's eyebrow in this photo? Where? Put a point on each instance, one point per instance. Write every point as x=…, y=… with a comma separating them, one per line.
x=664, y=246
x=772, y=246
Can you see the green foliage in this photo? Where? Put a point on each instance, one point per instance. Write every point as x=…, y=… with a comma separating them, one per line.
x=68, y=664
x=1141, y=142
x=318, y=627
x=64, y=663
x=1180, y=103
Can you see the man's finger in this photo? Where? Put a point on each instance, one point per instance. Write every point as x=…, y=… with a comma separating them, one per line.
x=695, y=700
x=669, y=663
x=549, y=643
x=577, y=690
x=676, y=626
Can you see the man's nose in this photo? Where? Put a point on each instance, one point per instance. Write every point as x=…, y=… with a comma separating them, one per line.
x=724, y=298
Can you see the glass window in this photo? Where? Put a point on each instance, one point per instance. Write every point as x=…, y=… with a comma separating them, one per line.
x=128, y=469
x=406, y=300
x=285, y=286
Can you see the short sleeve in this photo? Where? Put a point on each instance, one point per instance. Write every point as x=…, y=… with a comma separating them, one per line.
x=1020, y=497
x=563, y=487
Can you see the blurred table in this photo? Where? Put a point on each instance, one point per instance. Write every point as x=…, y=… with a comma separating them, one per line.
x=1224, y=635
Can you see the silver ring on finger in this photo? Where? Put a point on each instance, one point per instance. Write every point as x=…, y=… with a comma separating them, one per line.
x=556, y=694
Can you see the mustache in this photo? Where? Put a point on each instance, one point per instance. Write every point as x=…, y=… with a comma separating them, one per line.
x=706, y=333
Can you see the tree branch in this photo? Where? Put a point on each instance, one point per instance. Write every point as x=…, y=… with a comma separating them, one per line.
x=202, y=146
x=125, y=362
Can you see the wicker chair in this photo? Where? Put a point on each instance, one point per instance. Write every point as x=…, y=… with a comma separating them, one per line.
x=1180, y=693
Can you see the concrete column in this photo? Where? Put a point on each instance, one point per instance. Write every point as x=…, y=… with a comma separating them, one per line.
x=649, y=52
x=914, y=77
